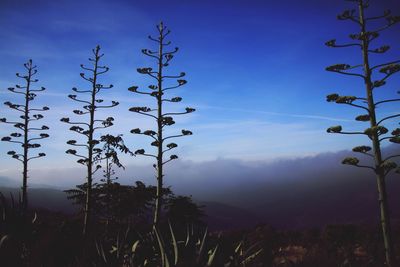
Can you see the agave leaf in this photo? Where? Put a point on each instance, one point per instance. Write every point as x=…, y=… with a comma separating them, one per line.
x=113, y=249
x=251, y=257
x=238, y=247
x=3, y=240
x=202, y=245
x=102, y=253
x=164, y=258
x=97, y=248
x=211, y=257
x=187, y=235
x=34, y=218
x=174, y=243
x=135, y=246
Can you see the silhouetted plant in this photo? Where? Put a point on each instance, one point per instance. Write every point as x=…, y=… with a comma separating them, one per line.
x=78, y=197
x=382, y=166
x=181, y=210
x=17, y=232
x=24, y=128
x=163, y=120
x=119, y=202
x=88, y=129
x=176, y=247
x=104, y=191
x=129, y=203
x=157, y=248
x=111, y=146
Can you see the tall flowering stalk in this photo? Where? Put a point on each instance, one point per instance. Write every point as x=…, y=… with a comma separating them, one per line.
x=162, y=119
x=26, y=135
x=373, y=77
x=88, y=128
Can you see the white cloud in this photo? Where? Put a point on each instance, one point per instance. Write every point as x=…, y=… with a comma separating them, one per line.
x=304, y=116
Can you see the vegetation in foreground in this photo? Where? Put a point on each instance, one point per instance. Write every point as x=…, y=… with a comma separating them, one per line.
x=122, y=234
x=118, y=226
x=45, y=238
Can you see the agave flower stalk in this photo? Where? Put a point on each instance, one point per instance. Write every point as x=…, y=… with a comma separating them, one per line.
x=376, y=132
x=88, y=128
x=25, y=130
x=158, y=91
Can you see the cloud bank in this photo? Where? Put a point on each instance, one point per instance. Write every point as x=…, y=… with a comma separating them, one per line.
x=299, y=192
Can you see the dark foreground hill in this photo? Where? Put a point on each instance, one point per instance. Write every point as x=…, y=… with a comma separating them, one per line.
x=218, y=216
x=284, y=210
x=43, y=198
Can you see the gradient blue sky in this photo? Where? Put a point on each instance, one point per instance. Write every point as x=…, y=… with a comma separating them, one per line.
x=255, y=70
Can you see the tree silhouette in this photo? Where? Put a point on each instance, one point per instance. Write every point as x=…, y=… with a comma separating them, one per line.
x=88, y=129
x=376, y=132
x=102, y=192
x=157, y=91
x=23, y=126
x=116, y=202
x=111, y=146
x=183, y=211
x=78, y=197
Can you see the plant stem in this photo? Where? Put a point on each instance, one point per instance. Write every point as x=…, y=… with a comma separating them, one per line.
x=157, y=210
x=88, y=205
x=26, y=132
x=380, y=175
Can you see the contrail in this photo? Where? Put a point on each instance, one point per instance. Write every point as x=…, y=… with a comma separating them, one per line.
x=305, y=116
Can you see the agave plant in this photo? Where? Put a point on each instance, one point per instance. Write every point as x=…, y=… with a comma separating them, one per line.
x=196, y=248
x=16, y=232
x=28, y=135
x=373, y=77
x=87, y=128
x=159, y=91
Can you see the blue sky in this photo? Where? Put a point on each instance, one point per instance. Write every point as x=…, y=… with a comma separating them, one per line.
x=255, y=70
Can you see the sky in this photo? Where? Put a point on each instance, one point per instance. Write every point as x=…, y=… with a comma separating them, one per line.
x=255, y=71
